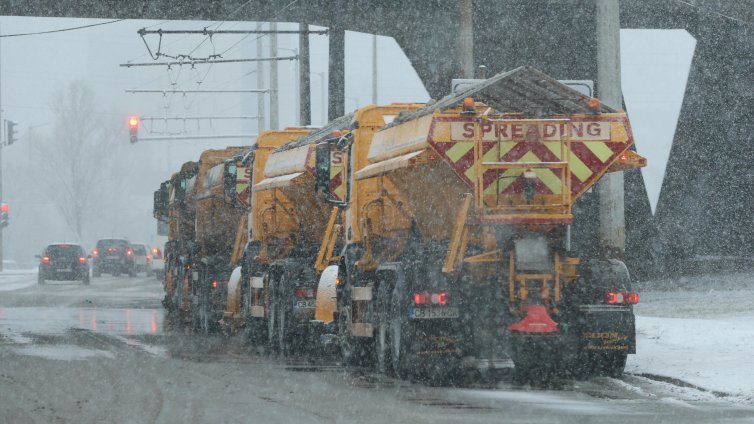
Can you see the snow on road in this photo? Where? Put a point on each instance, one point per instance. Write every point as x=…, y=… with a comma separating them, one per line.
x=699, y=330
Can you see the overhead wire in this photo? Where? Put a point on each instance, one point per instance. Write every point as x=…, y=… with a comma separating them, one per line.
x=24, y=34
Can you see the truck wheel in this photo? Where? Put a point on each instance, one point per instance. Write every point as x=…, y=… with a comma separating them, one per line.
x=200, y=315
x=399, y=336
x=272, y=327
x=355, y=350
x=40, y=279
x=382, y=342
x=284, y=339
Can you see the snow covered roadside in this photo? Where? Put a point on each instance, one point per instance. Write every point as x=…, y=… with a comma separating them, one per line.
x=699, y=331
x=17, y=279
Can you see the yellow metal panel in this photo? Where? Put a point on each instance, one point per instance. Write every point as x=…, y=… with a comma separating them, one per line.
x=599, y=149
x=401, y=139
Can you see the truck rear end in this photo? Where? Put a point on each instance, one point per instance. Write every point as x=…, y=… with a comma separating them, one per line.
x=457, y=246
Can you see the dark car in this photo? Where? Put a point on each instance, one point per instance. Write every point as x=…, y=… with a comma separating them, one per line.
x=113, y=256
x=63, y=261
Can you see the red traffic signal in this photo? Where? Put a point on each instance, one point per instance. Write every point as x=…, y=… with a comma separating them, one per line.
x=133, y=128
x=5, y=208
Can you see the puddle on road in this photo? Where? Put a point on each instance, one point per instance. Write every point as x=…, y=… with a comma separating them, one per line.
x=62, y=352
x=53, y=321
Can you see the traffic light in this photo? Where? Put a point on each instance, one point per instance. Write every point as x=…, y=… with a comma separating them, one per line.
x=11, y=132
x=133, y=128
x=4, y=209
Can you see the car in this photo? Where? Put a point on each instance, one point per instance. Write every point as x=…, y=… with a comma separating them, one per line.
x=142, y=258
x=158, y=262
x=63, y=261
x=113, y=256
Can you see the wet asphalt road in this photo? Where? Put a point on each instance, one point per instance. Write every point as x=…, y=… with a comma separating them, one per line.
x=106, y=353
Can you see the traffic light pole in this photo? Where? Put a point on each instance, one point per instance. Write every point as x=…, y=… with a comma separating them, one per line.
x=1, y=159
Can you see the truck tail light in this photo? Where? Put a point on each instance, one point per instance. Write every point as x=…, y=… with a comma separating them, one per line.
x=129, y=252
x=618, y=298
x=220, y=284
x=304, y=293
x=45, y=260
x=95, y=253
x=82, y=260
x=441, y=298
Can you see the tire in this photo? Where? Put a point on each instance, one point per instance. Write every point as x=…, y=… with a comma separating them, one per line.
x=284, y=339
x=272, y=328
x=200, y=315
x=40, y=279
x=401, y=365
x=356, y=351
x=382, y=342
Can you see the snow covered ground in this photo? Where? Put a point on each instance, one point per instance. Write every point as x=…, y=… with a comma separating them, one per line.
x=17, y=279
x=699, y=330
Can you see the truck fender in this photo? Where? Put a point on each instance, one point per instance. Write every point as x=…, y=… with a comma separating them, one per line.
x=234, y=292
x=326, y=302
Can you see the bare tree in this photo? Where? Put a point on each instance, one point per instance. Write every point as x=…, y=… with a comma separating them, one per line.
x=74, y=159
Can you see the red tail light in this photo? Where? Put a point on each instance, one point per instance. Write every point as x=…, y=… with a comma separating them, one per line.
x=613, y=298
x=149, y=259
x=442, y=298
x=95, y=253
x=156, y=253
x=45, y=260
x=111, y=250
x=305, y=293
x=129, y=252
x=82, y=260
x=214, y=284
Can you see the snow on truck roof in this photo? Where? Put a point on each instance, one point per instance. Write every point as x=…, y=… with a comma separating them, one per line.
x=334, y=125
x=522, y=89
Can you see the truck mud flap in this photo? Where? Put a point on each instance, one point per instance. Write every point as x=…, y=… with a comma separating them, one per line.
x=607, y=328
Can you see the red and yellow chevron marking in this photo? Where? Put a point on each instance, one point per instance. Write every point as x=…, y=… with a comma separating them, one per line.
x=338, y=181
x=597, y=141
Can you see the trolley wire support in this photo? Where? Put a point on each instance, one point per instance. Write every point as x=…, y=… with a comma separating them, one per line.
x=208, y=61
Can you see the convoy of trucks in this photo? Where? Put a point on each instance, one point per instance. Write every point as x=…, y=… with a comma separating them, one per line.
x=421, y=239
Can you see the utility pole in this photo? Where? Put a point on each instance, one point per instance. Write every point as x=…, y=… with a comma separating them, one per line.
x=260, y=83
x=466, y=37
x=612, y=230
x=374, y=69
x=274, y=107
x=336, y=75
x=304, y=79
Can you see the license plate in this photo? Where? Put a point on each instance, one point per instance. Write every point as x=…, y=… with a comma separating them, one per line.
x=434, y=312
x=305, y=304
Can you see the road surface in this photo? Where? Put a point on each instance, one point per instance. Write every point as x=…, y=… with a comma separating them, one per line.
x=106, y=353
